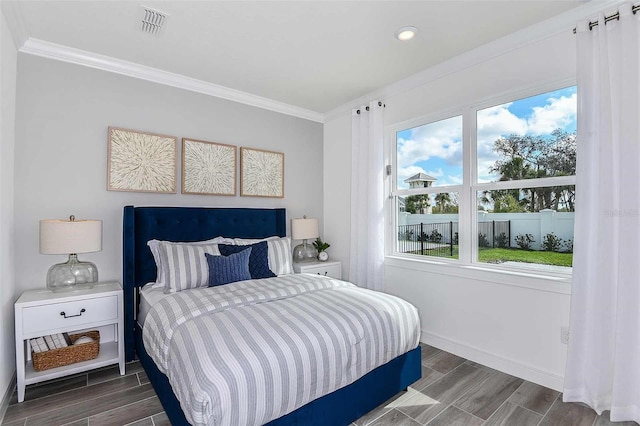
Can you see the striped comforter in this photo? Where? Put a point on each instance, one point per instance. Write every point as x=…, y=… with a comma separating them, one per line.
x=252, y=351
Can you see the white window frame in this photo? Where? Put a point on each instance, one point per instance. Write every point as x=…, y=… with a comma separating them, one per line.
x=393, y=192
x=467, y=195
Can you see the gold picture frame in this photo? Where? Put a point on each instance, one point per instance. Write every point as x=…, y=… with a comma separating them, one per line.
x=141, y=161
x=261, y=173
x=208, y=168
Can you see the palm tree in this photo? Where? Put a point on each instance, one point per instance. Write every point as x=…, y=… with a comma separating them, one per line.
x=443, y=199
x=417, y=203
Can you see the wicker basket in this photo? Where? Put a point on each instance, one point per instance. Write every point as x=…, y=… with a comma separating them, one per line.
x=69, y=355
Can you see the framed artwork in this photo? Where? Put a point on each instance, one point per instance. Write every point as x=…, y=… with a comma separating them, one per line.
x=208, y=168
x=261, y=173
x=141, y=162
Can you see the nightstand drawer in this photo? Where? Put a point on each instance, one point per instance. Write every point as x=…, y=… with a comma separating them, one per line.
x=333, y=270
x=69, y=314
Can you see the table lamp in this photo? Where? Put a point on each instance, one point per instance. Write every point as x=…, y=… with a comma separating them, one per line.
x=71, y=237
x=304, y=229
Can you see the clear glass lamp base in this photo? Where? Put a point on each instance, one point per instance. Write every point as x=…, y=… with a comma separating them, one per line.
x=304, y=252
x=72, y=275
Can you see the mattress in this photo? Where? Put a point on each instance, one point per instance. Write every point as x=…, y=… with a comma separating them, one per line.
x=253, y=351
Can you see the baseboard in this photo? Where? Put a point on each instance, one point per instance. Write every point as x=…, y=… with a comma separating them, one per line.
x=498, y=362
x=4, y=404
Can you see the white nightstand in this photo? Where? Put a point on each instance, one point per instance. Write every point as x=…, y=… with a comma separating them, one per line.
x=330, y=268
x=43, y=312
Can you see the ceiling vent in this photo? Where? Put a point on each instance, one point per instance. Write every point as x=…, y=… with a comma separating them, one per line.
x=152, y=21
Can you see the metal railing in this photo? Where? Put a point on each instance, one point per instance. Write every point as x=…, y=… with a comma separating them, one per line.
x=496, y=233
x=429, y=239
x=441, y=239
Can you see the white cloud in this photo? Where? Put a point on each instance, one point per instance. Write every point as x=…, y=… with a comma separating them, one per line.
x=454, y=180
x=497, y=121
x=436, y=173
x=494, y=123
x=406, y=172
x=558, y=113
x=442, y=139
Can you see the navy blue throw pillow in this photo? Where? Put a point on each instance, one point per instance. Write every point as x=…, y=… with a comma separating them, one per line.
x=228, y=269
x=258, y=261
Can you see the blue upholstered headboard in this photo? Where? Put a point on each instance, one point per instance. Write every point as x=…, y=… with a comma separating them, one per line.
x=141, y=224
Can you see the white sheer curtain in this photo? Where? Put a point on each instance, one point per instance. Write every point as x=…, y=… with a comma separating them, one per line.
x=367, y=197
x=603, y=363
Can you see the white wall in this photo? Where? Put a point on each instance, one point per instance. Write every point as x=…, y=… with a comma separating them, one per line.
x=486, y=319
x=8, y=60
x=516, y=329
x=62, y=115
x=337, y=194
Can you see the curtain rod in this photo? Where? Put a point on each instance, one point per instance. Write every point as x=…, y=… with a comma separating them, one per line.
x=380, y=104
x=615, y=16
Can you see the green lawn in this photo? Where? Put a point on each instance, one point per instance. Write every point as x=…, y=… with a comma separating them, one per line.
x=500, y=255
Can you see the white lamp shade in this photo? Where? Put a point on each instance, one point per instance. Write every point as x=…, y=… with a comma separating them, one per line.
x=66, y=236
x=304, y=229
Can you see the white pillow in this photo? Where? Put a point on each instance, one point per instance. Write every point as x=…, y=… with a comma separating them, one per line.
x=280, y=261
x=154, y=246
x=249, y=241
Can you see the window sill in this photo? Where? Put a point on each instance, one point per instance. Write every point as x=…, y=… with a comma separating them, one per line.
x=540, y=280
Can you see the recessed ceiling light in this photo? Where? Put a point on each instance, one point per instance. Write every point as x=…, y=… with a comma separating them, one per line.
x=406, y=33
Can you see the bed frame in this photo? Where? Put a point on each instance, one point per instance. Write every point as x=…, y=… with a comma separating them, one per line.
x=141, y=224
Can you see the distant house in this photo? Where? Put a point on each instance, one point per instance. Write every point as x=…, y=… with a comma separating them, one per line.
x=422, y=180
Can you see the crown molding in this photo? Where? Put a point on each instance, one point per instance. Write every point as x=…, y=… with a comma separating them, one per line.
x=106, y=63
x=563, y=22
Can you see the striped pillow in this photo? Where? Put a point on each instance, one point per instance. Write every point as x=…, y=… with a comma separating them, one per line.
x=228, y=269
x=185, y=265
x=280, y=261
x=154, y=246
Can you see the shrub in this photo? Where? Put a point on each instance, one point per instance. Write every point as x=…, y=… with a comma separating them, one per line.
x=483, y=241
x=423, y=237
x=455, y=238
x=524, y=241
x=568, y=246
x=502, y=241
x=405, y=235
x=435, y=236
x=551, y=242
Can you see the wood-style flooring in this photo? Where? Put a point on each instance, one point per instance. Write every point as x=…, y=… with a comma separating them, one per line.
x=452, y=391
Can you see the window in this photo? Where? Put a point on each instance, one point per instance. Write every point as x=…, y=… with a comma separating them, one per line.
x=429, y=159
x=513, y=205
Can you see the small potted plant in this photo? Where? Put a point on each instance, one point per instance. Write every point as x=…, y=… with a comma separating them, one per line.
x=321, y=247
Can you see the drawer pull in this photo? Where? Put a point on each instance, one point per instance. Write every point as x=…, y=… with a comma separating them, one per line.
x=71, y=316
x=325, y=274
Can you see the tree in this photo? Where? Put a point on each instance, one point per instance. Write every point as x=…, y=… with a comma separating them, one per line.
x=446, y=203
x=504, y=201
x=443, y=200
x=416, y=204
x=528, y=157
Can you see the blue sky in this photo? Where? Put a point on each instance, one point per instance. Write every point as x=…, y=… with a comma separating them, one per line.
x=436, y=148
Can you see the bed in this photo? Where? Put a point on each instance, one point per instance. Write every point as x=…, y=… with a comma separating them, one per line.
x=189, y=224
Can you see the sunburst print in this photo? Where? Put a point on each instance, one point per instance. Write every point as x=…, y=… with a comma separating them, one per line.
x=142, y=162
x=208, y=168
x=262, y=173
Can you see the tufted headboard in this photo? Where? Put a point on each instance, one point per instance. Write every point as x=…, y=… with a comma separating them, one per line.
x=141, y=224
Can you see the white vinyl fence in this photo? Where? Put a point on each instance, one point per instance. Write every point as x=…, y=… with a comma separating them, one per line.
x=537, y=224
